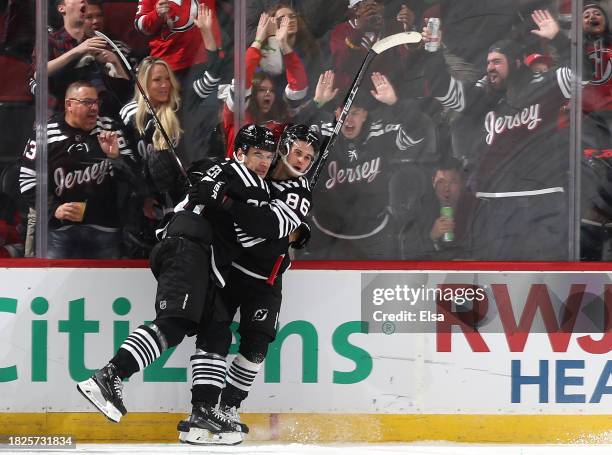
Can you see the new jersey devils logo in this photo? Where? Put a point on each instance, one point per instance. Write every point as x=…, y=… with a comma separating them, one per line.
x=180, y=17
x=260, y=315
x=602, y=65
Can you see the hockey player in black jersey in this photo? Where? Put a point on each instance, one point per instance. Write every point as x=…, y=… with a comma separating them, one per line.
x=198, y=243
x=254, y=285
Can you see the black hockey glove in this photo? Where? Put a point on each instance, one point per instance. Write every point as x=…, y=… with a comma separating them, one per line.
x=303, y=236
x=209, y=192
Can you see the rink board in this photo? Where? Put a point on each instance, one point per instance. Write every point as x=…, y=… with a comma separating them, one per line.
x=334, y=373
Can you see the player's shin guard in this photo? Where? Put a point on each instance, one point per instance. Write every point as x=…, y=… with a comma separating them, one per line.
x=208, y=376
x=105, y=388
x=240, y=377
x=144, y=345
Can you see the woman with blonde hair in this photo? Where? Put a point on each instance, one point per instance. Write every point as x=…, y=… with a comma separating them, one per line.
x=162, y=184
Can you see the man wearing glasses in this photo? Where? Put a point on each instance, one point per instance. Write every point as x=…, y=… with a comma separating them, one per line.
x=87, y=155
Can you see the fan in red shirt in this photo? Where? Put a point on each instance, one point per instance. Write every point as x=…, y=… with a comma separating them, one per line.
x=170, y=25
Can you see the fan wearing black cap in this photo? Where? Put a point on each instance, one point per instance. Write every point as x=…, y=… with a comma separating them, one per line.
x=521, y=160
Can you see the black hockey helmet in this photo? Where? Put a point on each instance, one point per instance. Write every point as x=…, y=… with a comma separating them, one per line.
x=294, y=133
x=252, y=135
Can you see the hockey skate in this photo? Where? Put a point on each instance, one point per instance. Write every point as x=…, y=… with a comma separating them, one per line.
x=232, y=414
x=208, y=425
x=104, y=391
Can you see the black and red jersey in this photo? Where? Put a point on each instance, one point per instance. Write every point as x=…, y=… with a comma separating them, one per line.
x=178, y=41
x=597, y=93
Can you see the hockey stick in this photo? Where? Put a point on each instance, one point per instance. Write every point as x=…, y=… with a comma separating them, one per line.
x=378, y=48
x=156, y=120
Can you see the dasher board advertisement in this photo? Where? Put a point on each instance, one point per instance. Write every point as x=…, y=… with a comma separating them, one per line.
x=386, y=342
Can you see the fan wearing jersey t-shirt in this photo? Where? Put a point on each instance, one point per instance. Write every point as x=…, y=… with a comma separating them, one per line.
x=255, y=287
x=384, y=145
x=521, y=175
x=87, y=157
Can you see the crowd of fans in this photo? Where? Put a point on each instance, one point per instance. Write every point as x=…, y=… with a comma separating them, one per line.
x=458, y=154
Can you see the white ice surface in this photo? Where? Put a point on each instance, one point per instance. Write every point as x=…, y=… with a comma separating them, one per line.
x=426, y=448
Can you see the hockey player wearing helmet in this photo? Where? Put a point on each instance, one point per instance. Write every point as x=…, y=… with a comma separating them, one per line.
x=255, y=147
x=302, y=144
x=254, y=287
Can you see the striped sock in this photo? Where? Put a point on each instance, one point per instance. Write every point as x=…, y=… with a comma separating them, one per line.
x=139, y=350
x=242, y=373
x=207, y=375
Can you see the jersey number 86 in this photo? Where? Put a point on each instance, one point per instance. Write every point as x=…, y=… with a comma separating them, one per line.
x=293, y=200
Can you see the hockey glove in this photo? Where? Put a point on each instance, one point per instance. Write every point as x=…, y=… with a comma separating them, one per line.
x=209, y=192
x=300, y=237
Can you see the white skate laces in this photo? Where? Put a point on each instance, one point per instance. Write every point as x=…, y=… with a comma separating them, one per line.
x=118, y=387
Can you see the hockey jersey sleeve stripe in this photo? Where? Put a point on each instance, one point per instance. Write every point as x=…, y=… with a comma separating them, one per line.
x=281, y=220
x=206, y=85
x=246, y=177
x=53, y=132
x=56, y=139
x=252, y=243
x=288, y=220
x=26, y=171
x=247, y=241
x=455, y=98
x=404, y=142
x=26, y=184
x=201, y=90
x=106, y=123
x=327, y=129
x=213, y=264
x=140, y=26
x=248, y=272
x=564, y=78
x=374, y=134
x=128, y=111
